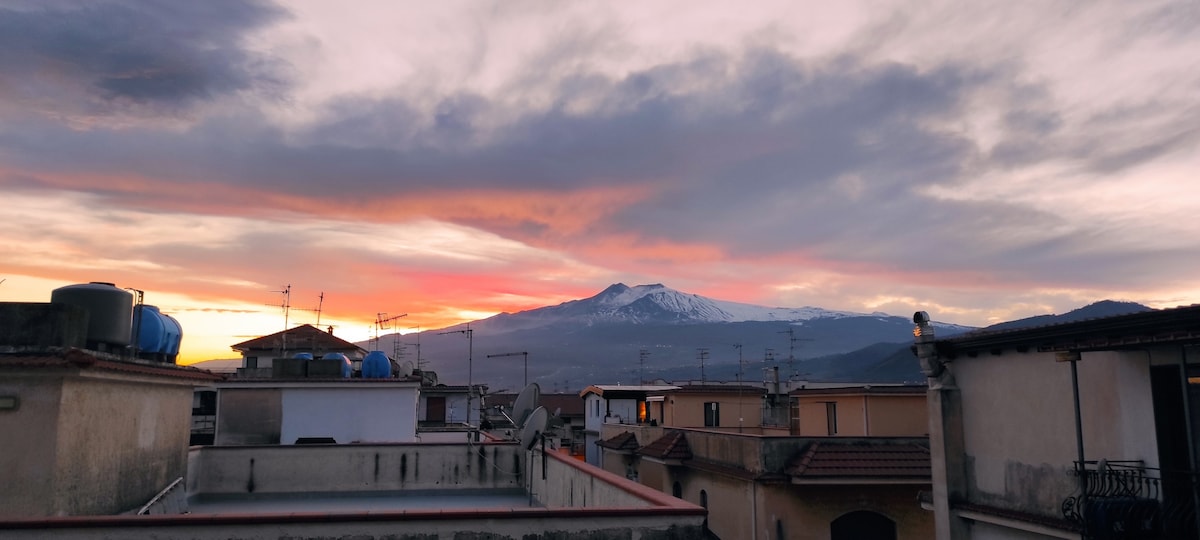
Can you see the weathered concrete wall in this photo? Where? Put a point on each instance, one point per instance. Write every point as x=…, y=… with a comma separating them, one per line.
x=367, y=467
x=119, y=443
x=1019, y=423
x=90, y=442
x=29, y=438
x=39, y=325
x=249, y=416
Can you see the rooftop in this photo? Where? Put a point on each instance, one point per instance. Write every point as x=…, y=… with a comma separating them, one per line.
x=858, y=462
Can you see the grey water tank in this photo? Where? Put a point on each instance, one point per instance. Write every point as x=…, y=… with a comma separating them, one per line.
x=110, y=312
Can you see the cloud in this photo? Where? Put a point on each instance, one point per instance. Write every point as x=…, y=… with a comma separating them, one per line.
x=116, y=58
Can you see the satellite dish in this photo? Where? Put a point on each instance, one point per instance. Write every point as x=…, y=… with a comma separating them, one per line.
x=534, y=425
x=406, y=369
x=526, y=401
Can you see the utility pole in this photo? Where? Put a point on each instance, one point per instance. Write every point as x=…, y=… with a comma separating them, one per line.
x=287, y=306
x=525, y=354
x=702, y=354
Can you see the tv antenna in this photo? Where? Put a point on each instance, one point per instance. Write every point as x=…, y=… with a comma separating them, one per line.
x=525, y=354
x=792, y=339
x=420, y=363
x=738, y=346
x=382, y=321
x=287, y=306
x=470, y=333
x=702, y=354
x=643, y=354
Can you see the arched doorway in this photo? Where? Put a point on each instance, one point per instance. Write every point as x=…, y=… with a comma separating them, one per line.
x=862, y=525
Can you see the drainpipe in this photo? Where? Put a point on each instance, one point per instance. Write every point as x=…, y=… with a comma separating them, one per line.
x=1073, y=357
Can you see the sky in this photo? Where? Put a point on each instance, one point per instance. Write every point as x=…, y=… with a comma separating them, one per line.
x=446, y=161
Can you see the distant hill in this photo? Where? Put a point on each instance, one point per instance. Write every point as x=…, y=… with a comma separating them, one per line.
x=600, y=339
x=1103, y=308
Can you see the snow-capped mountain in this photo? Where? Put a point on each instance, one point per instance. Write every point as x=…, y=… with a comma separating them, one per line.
x=656, y=303
x=643, y=332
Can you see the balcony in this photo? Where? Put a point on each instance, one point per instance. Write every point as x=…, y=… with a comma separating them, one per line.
x=1120, y=500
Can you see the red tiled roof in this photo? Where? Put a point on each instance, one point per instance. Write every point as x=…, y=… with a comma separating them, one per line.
x=672, y=445
x=866, y=461
x=625, y=441
x=305, y=336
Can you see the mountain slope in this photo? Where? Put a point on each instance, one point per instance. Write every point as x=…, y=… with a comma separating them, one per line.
x=1103, y=308
x=601, y=339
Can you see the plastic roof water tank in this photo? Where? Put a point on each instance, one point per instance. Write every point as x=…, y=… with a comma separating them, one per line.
x=375, y=365
x=110, y=312
x=347, y=368
x=158, y=334
x=303, y=356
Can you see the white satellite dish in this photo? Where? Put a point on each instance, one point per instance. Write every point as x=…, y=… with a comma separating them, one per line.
x=526, y=401
x=534, y=426
x=406, y=369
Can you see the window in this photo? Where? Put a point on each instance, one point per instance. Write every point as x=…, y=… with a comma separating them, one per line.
x=597, y=402
x=252, y=362
x=712, y=414
x=831, y=417
x=677, y=490
x=794, y=420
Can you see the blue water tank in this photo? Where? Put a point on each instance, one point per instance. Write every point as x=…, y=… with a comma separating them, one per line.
x=303, y=356
x=110, y=312
x=151, y=333
x=375, y=365
x=158, y=334
x=347, y=369
x=174, y=336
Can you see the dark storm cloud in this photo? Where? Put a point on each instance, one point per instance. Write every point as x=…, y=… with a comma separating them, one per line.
x=104, y=57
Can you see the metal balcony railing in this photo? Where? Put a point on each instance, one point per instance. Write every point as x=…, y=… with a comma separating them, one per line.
x=1124, y=500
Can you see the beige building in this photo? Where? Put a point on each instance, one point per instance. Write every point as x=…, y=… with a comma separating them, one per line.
x=875, y=411
x=766, y=483
x=83, y=432
x=710, y=406
x=1074, y=430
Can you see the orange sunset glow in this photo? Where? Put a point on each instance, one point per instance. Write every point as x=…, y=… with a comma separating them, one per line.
x=459, y=160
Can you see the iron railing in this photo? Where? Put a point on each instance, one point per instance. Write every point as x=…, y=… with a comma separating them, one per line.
x=1124, y=500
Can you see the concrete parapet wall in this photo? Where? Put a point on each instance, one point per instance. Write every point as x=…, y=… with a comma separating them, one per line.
x=366, y=467
x=571, y=483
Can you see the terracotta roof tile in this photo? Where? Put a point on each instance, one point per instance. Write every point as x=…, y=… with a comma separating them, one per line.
x=625, y=441
x=305, y=336
x=672, y=445
x=831, y=460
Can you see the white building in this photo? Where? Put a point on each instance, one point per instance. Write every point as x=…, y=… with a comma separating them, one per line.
x=616, y=404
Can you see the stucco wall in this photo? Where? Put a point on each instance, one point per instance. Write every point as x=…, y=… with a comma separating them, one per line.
x=89, y=442
x=29, y=437
x=687, y=410
x=851, y=420
x=1019, y=423
x=806, y=512
x=897, y=416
